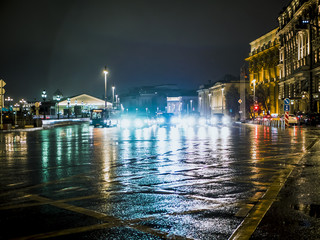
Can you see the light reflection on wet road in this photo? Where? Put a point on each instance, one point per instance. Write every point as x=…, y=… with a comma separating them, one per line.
x=152, y=183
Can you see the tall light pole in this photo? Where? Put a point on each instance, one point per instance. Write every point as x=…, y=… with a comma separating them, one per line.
x=191, y=110
x=9, y=99
x=254, y=90
x=105, y=86
x=58, y=99
x=222, y=89
x=44, y=97
x=15, y=114
x=113, y=88
x=68, y=100
x=209, y=95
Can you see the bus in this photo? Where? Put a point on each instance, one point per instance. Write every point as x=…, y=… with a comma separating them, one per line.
x=100, y=118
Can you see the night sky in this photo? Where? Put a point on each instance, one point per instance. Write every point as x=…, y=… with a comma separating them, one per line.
x=53, y=44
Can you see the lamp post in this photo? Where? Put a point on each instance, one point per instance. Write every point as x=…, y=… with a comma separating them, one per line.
x=105, y=86
x=68, y=100
x=44, y=97
x=58, y=99
x=191, y=110
x=209, y=95
x=254, y=96
x=116, y=101
x=113, y=88
x=15, y=114
x=9, y=99
x=222, y=89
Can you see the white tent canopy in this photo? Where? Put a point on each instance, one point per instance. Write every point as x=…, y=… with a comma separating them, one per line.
x=85, y=100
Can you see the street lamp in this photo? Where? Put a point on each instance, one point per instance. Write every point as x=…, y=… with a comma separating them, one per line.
x=222, y=89
x=44, y=97
x=68, y=100
x=113, y=88
x=254, y=90
x=191, y=106
x=105, y=86
x=15, y=114
x=58, y=99
x=9, y=99
x=116, y=101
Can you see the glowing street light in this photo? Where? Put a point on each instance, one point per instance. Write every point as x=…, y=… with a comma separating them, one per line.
x=44, y=97
x=105, y=86
x=58, y=99
x=9, y=99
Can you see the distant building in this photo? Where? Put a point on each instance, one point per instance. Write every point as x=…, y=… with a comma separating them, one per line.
x=152, y=99
x=182, y=105
x=212, y=97
x=80, y=105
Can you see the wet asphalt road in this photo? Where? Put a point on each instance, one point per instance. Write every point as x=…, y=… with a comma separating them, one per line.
x=79, y=182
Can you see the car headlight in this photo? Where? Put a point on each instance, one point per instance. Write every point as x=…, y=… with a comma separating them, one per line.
x=202, y=121
x=214, y=120
x=225, y=120
x=138, y=123
x=191, y=121
x=160, y=120
x=174, y=120
x=125, y=123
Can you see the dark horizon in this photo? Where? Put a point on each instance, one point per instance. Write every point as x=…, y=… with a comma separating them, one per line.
x=65, y=45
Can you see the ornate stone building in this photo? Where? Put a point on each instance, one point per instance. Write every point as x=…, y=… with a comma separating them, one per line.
x=299, y=58
x=263, y=68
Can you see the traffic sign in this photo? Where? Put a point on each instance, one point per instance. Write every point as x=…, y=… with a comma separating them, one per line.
x=286, y=101
x=240, y=101
x=2, y=83
x=2, y=91
x=286, y=108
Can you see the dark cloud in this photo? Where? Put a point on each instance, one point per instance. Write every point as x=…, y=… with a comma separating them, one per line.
x=65, y=44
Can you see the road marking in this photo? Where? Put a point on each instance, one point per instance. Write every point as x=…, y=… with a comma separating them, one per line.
x=111, y=222
x=253, y=219
x=42, y=184
x=23, y=205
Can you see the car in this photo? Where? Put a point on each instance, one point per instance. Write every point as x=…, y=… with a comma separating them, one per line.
x=292, y=119
x=167, y=119
x=135, y=121
x=312, y=119
x=220, y=119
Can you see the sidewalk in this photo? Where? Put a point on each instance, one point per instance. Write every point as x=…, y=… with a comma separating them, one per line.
x=296, y=212
x=49, y=124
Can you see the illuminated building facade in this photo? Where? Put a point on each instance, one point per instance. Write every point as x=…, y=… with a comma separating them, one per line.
x=299, y=58
x=263, y=68
x=212, y=97
x=204, y=98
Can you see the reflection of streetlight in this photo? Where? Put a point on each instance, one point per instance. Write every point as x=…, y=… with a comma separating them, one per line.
x=44, y=97
x=68, y=100
x=58, y=99
x=222, y=89
x=105, y=86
